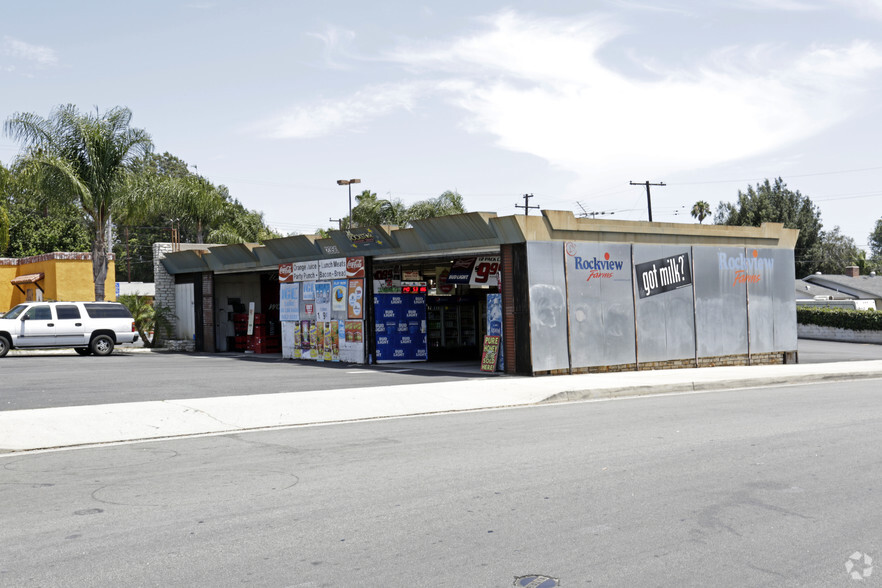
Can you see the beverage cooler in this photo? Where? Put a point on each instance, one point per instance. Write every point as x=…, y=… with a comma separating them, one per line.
x=452, y=329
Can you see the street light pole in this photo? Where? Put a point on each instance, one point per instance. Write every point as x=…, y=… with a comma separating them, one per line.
x=349, y=183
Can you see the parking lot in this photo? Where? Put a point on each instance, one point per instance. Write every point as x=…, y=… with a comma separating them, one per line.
x=62, y=378
x=45, y=379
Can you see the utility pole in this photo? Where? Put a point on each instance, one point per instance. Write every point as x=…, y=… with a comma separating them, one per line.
x=339, y=222
x=526, y=205
x=648, y=198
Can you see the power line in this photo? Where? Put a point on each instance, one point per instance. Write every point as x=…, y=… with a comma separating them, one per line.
x=648, y=197
x=526, y=205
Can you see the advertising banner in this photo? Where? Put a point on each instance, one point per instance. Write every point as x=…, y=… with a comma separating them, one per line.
x=442, y=287
x=351, y=341
x=322, y=301
x=304, y=334
x=494, y=323
x=339, y=292
x=461, y=271
x=307, y=291
x=304, y=271
x=485, y=272
x=665, y=306
x=332, y=269
x=286, y=272
x=355, y=267
x=387, y=281
x=289, y=302
x=329, y=338
x=355, y=300
x=318, y=347
x=663, y=275
x=600, y=304
x=400, y=327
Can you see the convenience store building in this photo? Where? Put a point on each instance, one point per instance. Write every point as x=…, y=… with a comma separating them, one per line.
x=565, y=294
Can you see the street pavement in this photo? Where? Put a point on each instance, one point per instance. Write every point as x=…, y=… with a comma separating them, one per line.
x=70, y=426
x=766, y=487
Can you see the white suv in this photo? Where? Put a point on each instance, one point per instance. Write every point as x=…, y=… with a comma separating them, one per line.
x=88, y=327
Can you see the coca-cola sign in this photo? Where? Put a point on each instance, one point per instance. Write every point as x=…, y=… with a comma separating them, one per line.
x=354, y=267
x=286, y=272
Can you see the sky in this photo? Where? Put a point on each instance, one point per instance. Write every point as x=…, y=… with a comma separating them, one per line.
x=567, y=101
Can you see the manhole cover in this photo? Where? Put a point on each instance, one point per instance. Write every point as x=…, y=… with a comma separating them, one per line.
x=536, y=581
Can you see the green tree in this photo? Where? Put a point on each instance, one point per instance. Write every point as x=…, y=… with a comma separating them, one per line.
x=701, y=210
x=833, y=252
x=37, y=223
x=85, y=158
x=370, y=211
x=446, y=204
x=775, y=203
x=4, y=216
x=875, y=240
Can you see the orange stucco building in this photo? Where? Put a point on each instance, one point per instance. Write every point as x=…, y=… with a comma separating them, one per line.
x=51, y=276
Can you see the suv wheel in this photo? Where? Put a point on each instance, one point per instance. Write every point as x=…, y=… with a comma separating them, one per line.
x=82, y=350
x=4, y=345
x=102, y=345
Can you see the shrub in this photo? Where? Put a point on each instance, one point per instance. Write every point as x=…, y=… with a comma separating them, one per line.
x=856, y=320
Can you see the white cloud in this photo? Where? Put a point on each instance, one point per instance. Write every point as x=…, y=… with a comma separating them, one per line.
x=348, y=114
x=36, y=53
x=336, y=42
x=544, y=86
x=540, y=87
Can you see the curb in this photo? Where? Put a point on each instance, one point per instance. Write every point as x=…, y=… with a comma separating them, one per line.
x=696, y=386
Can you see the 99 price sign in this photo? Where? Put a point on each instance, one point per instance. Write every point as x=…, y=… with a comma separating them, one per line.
x=486, y=272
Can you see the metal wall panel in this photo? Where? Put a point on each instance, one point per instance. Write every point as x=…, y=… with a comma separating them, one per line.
x=769, y=274
x=548, y=318
x=665, y=315
x=600, y=304
x=720, y=303
x=185, y=309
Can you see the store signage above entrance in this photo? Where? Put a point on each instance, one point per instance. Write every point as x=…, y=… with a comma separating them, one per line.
x=663, y=275
x=332, y=269
x=362, y=239
x=298, y=272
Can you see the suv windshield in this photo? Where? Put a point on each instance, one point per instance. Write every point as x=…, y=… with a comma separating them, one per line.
x=15, y=311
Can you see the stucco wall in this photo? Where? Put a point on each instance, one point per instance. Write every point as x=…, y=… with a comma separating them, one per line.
x=68, y=276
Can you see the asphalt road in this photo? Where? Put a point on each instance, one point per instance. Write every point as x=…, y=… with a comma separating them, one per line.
x=62, y=378
x=44, y=380
x=763, y=487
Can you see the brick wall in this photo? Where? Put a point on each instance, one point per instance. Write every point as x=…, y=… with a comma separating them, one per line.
x=208, y=312
x=776, y=358
x=165, y=292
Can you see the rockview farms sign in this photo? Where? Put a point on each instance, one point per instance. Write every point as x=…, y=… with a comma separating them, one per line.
x=748, y=270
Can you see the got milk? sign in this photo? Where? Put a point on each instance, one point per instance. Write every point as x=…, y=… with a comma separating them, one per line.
x=663, y=275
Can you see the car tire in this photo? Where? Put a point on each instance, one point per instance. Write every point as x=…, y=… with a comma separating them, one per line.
x=82, y=350
x=102, y=345
x=4, y=345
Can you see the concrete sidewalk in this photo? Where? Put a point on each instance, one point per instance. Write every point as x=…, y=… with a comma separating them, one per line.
x=26, y=430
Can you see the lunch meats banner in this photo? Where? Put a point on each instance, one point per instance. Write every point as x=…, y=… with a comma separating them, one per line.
x=321, y=307
x=400, y=327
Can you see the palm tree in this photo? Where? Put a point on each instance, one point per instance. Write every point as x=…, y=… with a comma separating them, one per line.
x=84, y=158
x=701, y=210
